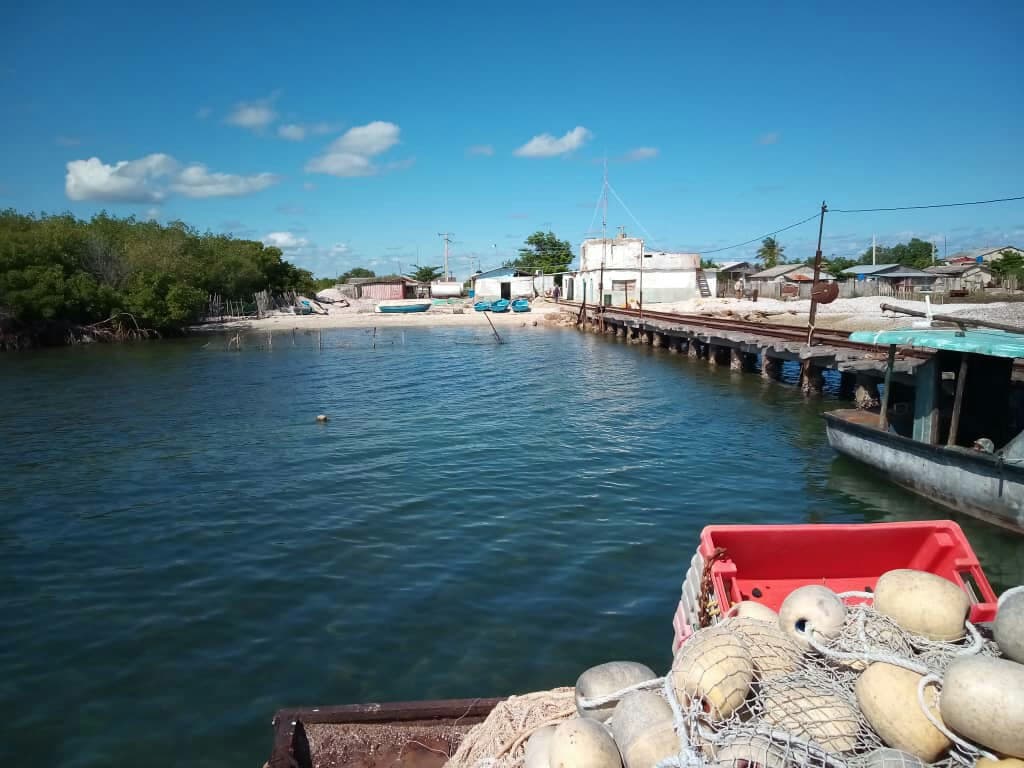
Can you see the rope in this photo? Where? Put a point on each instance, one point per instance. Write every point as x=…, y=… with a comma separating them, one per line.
x=598, y=701
x=966, y=746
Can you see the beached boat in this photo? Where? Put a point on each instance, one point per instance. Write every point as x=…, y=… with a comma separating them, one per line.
x=482, y=306
x=960, y=442
x=733, y=563
x=501, y=305
x=391, y=306
x=521, y=305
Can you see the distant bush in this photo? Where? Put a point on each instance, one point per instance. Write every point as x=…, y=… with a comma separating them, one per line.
x=60, y=269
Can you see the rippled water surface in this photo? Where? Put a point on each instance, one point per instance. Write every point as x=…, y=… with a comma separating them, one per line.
x=183, y=549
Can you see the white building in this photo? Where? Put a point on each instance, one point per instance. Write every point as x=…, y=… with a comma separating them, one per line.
x=630, y=270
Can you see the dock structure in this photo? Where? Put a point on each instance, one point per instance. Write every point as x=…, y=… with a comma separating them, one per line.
x=760, y=348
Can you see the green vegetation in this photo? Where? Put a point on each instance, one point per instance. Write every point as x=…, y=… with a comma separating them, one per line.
x=708, y=264
x=1011, y=264
x=771, y=253
x=427, y=274
x=356, y=272
x=543, y=251
x=60, y=270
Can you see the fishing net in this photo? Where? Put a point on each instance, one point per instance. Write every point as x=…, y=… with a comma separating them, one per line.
x=498, y=741
x=745, y=695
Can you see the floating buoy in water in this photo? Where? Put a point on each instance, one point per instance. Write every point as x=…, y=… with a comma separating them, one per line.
x=322, y=418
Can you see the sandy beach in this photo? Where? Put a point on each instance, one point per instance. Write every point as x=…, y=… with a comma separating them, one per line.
x=360, y=314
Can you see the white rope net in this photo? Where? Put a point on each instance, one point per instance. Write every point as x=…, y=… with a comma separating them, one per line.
x=745, y=695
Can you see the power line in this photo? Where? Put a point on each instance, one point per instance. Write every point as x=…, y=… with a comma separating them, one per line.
x=919, y=207
x=760, y=237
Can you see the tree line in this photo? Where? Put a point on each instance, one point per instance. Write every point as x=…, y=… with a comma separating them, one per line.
x=61, y=270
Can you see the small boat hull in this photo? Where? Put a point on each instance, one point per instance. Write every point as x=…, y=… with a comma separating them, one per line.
x=520, y=305
x=482, y=306
x=971, y=482
x=403, y=306
x=501, y=305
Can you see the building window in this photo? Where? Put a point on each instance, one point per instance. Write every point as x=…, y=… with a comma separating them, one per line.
x=623, y=285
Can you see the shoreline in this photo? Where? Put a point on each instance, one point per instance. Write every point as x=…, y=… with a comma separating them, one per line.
x=432, y=318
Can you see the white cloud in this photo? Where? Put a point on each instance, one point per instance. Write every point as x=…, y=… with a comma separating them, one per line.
x=154, y=178
x=286, y=241
x=339, y=249
x=152, y=214
x=309, y=186
x=203, y=112
x=292, y=132
x=254, y=115
x=352, y=153
x=129, y=181
x=197, y=181
x=546, y=145
x=640, y=153
x=769, y=138
x=480, y=149
x=68, y=141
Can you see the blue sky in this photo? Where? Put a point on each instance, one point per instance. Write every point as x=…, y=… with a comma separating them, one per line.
x=351, y=134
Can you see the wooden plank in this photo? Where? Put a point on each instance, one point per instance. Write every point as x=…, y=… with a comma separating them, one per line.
x=883, y=414
x=961, y=379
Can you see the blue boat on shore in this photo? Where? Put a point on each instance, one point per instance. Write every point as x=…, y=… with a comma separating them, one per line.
x=482, y=306
x=402, y=306
x=521, y=305
x=501, y=305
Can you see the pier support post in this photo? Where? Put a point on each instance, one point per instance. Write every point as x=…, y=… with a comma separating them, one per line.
x=712, y=354
x=865, y=392
x=812, y=379
x=771, y=368
x=735, y=360
x=648, y=337
x=847, y=385
x=693, y=349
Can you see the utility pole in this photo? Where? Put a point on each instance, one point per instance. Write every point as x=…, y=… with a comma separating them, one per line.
x=604, y=240
x=447, y=239
x=872, y=250
x=817, y=273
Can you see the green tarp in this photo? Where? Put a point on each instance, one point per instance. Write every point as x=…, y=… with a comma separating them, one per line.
x=977, y=341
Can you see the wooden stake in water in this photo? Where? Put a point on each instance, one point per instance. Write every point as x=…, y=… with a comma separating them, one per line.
x=320, y=336
x=374, y=341
x=493, y=328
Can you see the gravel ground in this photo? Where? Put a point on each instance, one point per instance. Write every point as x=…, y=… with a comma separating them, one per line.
x=863, y=313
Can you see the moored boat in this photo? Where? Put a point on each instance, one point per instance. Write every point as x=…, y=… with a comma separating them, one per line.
x=501, y=305
x=521, y=305
x=402, y=306
x=961, y=443
x=733, y=563
x=482, y=306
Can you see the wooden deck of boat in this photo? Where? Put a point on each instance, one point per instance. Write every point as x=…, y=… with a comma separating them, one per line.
x=418, y=734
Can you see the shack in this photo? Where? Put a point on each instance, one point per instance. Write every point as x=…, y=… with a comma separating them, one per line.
x=893, y=275
x=788, y=273
x=969, y=276
x=617, y=271
x=388, y=287
x=503, y=282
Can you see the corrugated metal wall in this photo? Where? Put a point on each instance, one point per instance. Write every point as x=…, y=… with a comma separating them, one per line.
x=383, y=291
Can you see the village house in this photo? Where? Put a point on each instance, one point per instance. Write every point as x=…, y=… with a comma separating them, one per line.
x=616, y=271
x=893, y=275
x=969, y=276
x=982, y=255
x=788, y=273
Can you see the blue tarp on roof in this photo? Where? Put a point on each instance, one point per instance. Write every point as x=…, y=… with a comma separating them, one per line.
x=978, y=341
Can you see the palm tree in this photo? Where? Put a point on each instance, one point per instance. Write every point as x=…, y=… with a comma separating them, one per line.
x=770, y=252
x=426, y=274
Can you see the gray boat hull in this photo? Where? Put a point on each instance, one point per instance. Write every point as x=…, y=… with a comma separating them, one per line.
x=974, y=483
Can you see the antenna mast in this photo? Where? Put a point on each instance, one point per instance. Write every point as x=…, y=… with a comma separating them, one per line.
x=447, y=239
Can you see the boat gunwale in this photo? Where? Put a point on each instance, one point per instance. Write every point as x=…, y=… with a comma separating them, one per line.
x=290, y=747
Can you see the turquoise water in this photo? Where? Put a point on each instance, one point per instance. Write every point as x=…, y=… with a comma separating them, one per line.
x=183, y=549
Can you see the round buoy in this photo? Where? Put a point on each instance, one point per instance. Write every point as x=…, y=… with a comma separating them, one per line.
x=322, y=418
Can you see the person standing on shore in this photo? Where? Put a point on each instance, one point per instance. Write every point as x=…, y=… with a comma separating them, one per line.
x=556, y=292
x=738, y=288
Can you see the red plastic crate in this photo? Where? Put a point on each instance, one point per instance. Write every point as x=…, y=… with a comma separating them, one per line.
x=764, y=563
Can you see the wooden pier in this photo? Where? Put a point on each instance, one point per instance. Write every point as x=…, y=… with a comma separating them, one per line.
x=760, y=348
